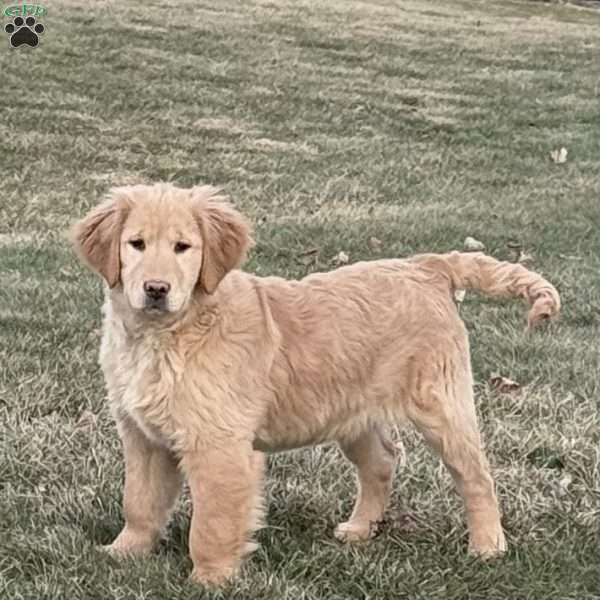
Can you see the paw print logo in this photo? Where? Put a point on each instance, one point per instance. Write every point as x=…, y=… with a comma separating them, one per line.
x=24, y=31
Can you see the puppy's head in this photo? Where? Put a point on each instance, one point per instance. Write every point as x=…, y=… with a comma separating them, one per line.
x=159, y=245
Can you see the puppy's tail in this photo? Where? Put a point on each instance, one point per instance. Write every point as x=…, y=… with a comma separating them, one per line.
x=475, y=270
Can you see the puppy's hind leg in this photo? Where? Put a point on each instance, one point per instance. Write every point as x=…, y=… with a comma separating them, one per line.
x=445, y=414
x=372, y=453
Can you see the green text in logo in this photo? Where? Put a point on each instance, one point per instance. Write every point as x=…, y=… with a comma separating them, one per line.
x=25, y=10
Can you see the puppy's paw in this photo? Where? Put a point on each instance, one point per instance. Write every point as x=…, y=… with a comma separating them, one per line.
x=111, y=550
x=212, y=576
x=128, y=545
x=120, y=552
x=356, y=531
x=488, y=545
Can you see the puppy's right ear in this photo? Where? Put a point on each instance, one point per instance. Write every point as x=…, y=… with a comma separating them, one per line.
x=97, y=240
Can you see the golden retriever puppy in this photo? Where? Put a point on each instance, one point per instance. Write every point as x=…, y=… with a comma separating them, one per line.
x=208, y=368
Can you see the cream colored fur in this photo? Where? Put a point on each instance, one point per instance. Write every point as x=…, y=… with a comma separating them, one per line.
x=236, y=365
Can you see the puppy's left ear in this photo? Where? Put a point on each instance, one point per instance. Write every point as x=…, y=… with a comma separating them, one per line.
x=226, y=236
x=96, y=239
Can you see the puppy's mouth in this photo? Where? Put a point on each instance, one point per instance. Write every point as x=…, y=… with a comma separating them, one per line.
x=156, y=307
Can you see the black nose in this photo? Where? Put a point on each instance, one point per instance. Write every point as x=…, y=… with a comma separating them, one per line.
x=156, y=289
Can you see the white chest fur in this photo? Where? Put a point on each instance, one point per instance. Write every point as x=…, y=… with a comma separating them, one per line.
x=142, y=373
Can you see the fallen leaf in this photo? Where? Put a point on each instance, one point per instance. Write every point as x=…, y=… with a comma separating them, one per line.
x=516, y=248
x=472, y=245
x=341, y=258
x=308, y=257
x=309, y=252
x=87, y=420
x=559, y=156
x=401, y=521
x=399, y=449
x=564, y=483
x=503, y=384
x=525, y=259
x=374, y=243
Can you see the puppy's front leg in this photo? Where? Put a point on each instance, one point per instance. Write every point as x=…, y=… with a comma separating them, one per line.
x=226, y=488
x=152, y=485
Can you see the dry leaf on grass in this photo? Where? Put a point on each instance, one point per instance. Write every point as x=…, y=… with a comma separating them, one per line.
x=525, y=259
x=374, y=243
x=404, y=522
x=340, y=259
x=563, y=485
x=459, y=295
x=503, y=384
x=308, y=257
x=520, y=256
x=87, y=421
x=472, y=245
x=559, y=156
x=309, y=252
x=400, y=453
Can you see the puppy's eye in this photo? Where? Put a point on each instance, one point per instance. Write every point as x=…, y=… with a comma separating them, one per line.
x=181, y=247
x=138, y=244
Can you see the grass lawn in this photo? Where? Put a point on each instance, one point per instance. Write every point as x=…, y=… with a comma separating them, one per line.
x=417, y=123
